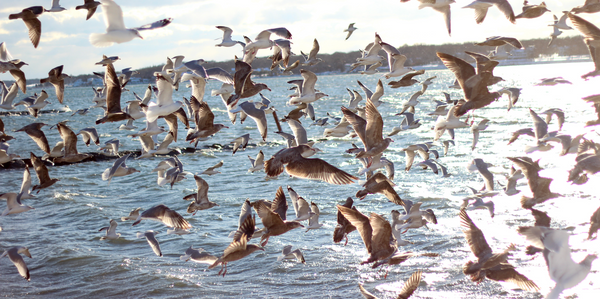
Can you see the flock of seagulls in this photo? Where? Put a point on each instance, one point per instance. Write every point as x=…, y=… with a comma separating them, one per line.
x=239, y=92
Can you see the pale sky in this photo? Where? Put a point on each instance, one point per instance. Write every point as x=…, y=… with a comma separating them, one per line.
x=193, y=34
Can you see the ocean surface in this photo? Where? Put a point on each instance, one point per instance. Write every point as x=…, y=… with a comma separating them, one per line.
x=70, y=261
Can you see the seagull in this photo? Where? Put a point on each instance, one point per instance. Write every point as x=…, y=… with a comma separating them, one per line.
x=396, y=222
x=513, y=95
x=313, y=221
x=55, y=7
x=474, y=85
x=150, y=236
x=407, y=80
x=511, y=185
x=275, y=225
x=311, y=59
x=258, y=115
x=198, y=256
x=90, y=6
x=71, y=155
x=532, y=11
x=111, y=231
x=17, y=259
x=375, y=231
x=489, y=264
x=442, y=6
x=591, y=35
x=301, y=207
x=9, y=96
x=395, y=60
x=379, y=183
x=557, y=254
x=497, y=41
x=42, y=173
x=211, y=170
x=481, y=8
x=287, y=253
x=343, y=227
x=57, y=78
x=34, y=131
x=350, y=29
x=203, y=118
x=119, y=168
x=475, y=128
x=409, y=287
x=116, y=32
x=298, y=166
x=239, y=247
x=450, y=122
x=308, y=94
x=13, y=204
x=165, y=215
x=30, y=17
x=539, y=186
x=133, y=215
x=258, y=163
x=369, y=130
x=113, y=89
x=594, y=224
x=164, y=100
x=226, y=41
x=200, y=198
x=25, y=192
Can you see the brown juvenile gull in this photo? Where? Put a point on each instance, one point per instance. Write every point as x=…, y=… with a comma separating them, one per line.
x=273, y=222
x=17, y=259
x=239, y=247
x=369, y=131
x=90, y=6
x=375, y=231
x=473, y=85
x=407, y=80
x=57, y=78
x=165, y=215
x=379, y=183
x=211, y=170
x=150, y=236
x=298, y=166
x=343, y=227
x=591, y=35
x=243, y=85
x=113, y=111
x=200, y=199
x=590, y=6
x=539, y=186
x=30, y=17
x=71, y=155
x=490, y=265
x=409, y=287
x=481, y=8
x=594, y=224
x=34, y=131
x=42, y=173
x=532, y=11
x=204, y=120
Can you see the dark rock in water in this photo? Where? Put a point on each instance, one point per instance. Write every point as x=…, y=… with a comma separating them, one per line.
x=99, y=156
x=27, y=112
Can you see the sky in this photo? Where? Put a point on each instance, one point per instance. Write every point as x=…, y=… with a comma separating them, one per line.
x=193, y=34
